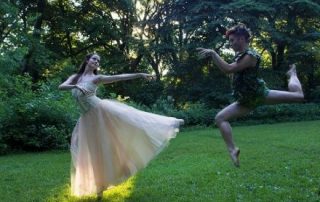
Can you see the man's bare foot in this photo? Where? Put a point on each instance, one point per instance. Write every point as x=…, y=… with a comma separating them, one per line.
x=235, y=154
x=292, y=71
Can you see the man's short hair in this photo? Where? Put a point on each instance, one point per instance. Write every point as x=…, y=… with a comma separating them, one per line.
x=239, y=30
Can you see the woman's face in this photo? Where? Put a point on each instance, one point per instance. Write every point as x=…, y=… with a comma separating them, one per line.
x=94, y=61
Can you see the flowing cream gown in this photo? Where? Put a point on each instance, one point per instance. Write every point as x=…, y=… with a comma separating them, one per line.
x=112, y=141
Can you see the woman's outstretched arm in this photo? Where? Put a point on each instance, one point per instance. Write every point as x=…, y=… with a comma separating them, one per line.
x=121, y=77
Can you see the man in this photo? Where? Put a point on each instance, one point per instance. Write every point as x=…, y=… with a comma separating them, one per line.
x=248, y=90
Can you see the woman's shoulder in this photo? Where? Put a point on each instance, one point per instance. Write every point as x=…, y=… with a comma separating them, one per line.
x=253, y=53
x=99, y=78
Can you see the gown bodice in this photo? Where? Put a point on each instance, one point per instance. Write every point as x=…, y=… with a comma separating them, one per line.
x=88, y=100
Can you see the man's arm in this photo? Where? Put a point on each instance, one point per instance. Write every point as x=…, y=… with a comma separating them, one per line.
x=246, y=62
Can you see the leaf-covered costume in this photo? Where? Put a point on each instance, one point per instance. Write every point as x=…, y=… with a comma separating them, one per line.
x=248, y=89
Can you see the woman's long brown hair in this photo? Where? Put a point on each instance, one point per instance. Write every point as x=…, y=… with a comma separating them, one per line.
x=83, y=67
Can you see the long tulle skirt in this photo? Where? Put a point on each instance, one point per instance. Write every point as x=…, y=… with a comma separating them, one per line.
x=112, y=141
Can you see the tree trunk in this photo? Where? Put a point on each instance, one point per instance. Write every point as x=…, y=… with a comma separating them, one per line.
x=155, y=66
x=273, y=60
x=280, y=55
x=28, y=63
x=135, y=62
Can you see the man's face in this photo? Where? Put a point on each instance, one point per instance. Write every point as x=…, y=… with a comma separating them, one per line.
x=236, y=42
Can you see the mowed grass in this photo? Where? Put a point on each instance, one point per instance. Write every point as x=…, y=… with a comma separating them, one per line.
x=279, y=162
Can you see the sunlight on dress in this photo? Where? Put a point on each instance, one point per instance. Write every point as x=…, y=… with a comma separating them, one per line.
x=112, y=141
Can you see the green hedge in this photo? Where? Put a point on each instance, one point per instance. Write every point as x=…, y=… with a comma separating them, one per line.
x=34, y=117
x=200, y=114
x=37, y=117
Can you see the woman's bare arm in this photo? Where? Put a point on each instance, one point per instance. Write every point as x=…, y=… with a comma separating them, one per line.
x=121, y=77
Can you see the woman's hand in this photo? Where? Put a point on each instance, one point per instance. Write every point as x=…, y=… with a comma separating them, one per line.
x=204, y=53
x=149, y=77
x=82, y=89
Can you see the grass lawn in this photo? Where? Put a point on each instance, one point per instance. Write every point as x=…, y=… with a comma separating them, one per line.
x=279, y=162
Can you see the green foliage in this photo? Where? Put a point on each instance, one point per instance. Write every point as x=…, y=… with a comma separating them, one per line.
x=315, y=94
x=33, y=117
x=158, y=36
x=139, y=91
x=282, y=113
x=48, y=39
x=202, y=115
x=10, y=61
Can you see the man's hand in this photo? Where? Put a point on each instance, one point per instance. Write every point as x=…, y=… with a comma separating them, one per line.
x=205, y=53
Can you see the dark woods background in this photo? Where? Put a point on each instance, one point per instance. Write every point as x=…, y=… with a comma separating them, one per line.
x=42, y=42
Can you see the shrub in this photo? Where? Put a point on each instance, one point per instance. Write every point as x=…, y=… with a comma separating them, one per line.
x=35, y=117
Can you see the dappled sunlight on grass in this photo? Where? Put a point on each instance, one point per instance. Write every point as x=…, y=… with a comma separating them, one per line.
x=122, y=191
x=279, y=162
x=114, y=194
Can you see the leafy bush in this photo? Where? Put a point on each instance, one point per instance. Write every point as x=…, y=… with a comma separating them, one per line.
x=315, y=94
x=281, y=113
x=34, y=117
x=192, y=113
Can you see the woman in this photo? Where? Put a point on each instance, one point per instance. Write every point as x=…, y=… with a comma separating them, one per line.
x=248, y=90
x=111, y=141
